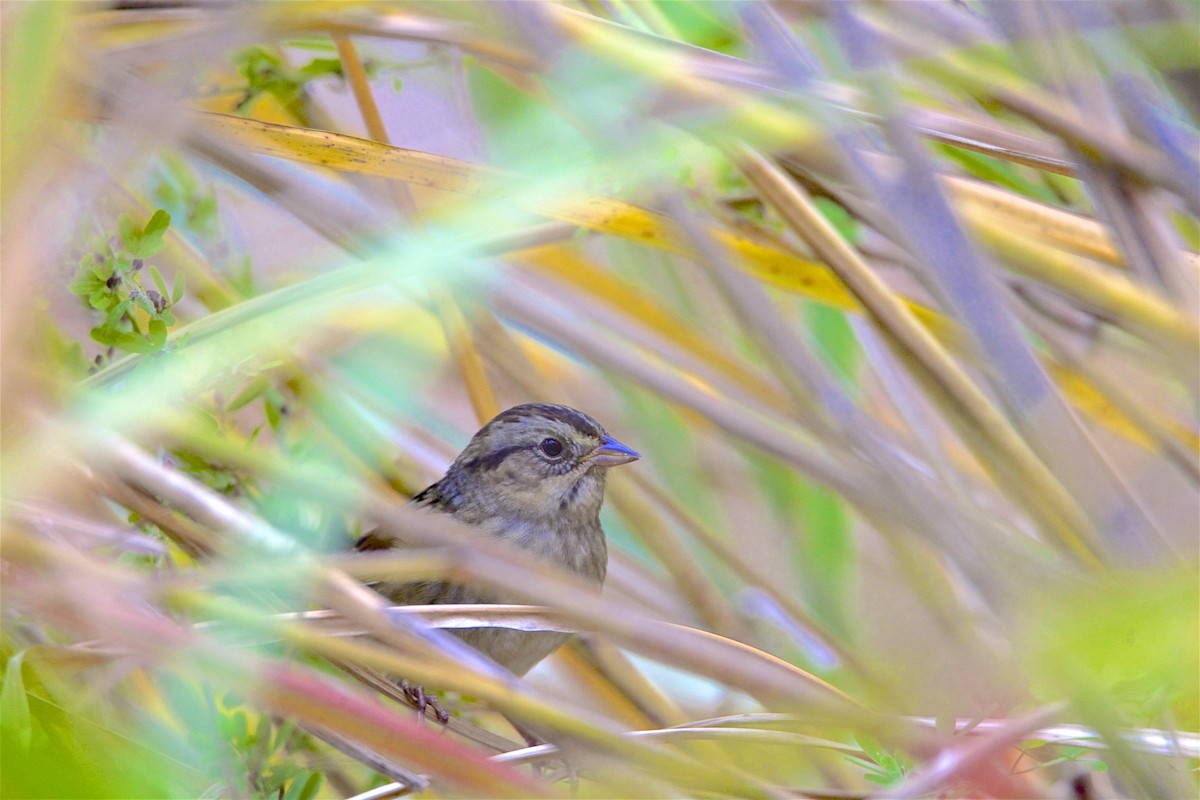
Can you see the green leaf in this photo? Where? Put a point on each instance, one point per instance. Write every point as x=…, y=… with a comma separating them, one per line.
x=1188, y=228
x=167, y=194
x=707, y=25
x=319, y=67
x=134, y=343
x=304, y=789
x=152, y=236
x=14, y=703
x=204, y=214
x=827, y=554
x=272, y=407
x=995, y=171
x=282, y=734
x=129, y=233
x=314, y=43
x=177, y=288
x=836, y=343
x=286, y=91
x=158, y=334
x=239, y=725
x=870, y=746
x=85, y=283
x=144, y=304
x=158, y=224
x=103, y=269
x=253, y=390
x=262, y=731
x=114, y=316
x=105, y=335
x=241, y=276
x=102, y=299
x=158, y=281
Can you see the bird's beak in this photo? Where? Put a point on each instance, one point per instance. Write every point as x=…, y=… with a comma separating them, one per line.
x=611, y=453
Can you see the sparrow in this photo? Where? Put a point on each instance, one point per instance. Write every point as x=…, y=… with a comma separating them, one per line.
x=534, y=477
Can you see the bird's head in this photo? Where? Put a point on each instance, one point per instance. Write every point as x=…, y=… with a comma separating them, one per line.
x=538, y=460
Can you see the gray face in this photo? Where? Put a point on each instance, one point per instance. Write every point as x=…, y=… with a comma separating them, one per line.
x=538, y=461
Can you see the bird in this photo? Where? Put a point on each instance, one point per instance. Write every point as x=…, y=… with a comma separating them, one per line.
x=534, y=477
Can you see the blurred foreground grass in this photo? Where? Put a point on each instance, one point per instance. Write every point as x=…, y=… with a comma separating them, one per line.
x=898, y=301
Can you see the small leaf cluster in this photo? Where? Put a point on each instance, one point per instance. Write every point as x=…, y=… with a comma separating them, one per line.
x=374, y=65
x=1069, y=754
x=217, y=477
x=195, y=211
x=881, y=767
x=268, y=753
x=260, y=756
x=191, y=202
x=111, y=281
x=267, y=73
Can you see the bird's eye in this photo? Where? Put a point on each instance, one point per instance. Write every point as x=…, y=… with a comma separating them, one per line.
x=552, y=447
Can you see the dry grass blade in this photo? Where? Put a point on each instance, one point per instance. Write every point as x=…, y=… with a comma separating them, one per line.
x=1024, y=474
x=1116, y=298
x=756, y=430
x=1058, y=228
x=603, y=215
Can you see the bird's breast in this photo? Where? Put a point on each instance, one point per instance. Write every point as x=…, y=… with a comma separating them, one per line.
x=576, y=545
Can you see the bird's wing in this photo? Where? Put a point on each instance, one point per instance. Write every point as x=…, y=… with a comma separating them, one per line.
x=431, y=497
x=412, y=592
x=374, y=540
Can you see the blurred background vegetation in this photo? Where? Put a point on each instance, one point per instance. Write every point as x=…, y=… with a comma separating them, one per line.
x=898, y=300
